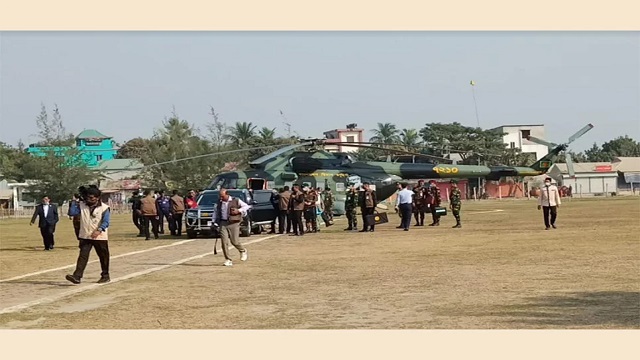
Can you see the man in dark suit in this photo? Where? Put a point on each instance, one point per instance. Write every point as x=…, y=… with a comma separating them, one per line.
x=48, y=217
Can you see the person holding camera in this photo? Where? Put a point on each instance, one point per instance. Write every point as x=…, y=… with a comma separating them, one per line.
x=93, y=233
x=75, y=204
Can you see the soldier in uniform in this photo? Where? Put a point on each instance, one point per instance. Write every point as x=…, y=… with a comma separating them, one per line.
x=350, y=206
x=419, y=203
x=455, y=200
x=310, y=216
x=327, y=199
x=368, y=204
x=434, y=200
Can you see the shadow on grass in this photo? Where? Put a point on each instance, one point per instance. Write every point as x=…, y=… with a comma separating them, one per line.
x=606, y=309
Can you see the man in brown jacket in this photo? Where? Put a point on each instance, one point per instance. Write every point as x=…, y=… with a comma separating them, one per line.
x=296, y=206
x=310, y=212
x=149, y=209
x=284, y=216
x=177, y=211
x=368, y=204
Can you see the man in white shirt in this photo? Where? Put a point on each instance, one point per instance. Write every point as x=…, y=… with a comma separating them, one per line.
x=228, y=216
x=549, y=201
x=404, y=203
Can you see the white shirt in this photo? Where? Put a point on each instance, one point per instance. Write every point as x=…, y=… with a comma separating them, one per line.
x=405, y=196
x=225, y=209
x=45, y=208
x=549, y=196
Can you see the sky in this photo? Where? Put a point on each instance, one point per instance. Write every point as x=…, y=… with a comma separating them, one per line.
x=124, y=84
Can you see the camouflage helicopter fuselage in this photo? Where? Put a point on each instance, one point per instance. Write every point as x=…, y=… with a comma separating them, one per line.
x=322, y=169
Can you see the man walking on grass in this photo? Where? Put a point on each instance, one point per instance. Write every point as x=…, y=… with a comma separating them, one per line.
x=549, y=202
x=94, y=224
x=228, y=216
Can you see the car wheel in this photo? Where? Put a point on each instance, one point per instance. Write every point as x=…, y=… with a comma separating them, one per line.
x=257, y=230
x=245, y=231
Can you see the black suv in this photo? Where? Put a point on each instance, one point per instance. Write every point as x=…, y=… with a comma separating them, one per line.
x=200, y=221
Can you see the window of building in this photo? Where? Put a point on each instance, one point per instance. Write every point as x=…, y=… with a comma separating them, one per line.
x=351, y=138
x=98, y=157
x=512, y=145
x=525, y=133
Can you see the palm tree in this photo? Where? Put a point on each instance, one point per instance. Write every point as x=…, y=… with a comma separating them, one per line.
x=267, y=135
x=409, y=138
x=386, y=133
x=241, y=133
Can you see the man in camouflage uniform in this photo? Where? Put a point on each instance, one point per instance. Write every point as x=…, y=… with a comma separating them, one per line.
x=433, y=196
x=350, y=206
x=327, y=198
x=455, y=200
x=419, y=203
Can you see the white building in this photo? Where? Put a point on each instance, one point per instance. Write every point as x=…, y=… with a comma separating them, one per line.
x=350, y=134
x=590, y=178
x=516, y=138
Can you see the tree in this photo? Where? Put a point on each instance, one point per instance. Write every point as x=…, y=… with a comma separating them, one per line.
x=51, y=131
x=410, y=139
x=136, y=148
x=61, y=170
x=218, y=131
x=473, y=144
x=595, y=154
x=177, y=140
x=622, y=146
x=386, y=133
x=241, y=134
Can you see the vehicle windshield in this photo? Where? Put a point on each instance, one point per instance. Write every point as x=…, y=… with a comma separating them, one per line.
x=208, y=199
x=212, y=198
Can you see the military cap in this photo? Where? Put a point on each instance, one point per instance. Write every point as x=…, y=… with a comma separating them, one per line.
x=453, y=181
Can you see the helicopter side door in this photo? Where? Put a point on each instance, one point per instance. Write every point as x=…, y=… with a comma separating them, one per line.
x=256, y=184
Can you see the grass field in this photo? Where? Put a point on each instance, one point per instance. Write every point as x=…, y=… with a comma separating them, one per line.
x=500, y=271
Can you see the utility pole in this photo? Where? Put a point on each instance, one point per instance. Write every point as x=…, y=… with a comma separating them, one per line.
x=473, y=92
x=288, y=126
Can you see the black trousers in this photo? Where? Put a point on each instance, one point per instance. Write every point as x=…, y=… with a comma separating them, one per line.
x=365, y=212
x=419, y=215
x=47, y=236
x=297, y=223
x=284, y=218
x=137, y=221
x=549, y=210
x=102, y=250
x=406, y=210
x=176, y=220
x=161, y=218
x=146, y=220
x=434, y=216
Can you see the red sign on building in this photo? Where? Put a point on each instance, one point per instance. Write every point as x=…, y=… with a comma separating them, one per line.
x=603, y=168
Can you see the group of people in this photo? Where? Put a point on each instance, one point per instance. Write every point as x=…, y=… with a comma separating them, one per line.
x=299, y=207
x=421, y=199
x=91, y=217
x=150, y=210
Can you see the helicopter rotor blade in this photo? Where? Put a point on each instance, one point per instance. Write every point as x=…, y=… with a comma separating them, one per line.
x=379, y=147
x=536, y=140
x=212, y=154
x=569, y=161
x=580, y=132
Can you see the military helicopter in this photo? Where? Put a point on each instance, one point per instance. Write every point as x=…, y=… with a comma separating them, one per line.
x=308, y=164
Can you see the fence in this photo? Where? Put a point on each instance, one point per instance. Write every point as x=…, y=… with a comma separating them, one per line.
x=27, y=212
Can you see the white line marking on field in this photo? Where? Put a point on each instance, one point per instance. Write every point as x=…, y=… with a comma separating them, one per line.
x=51, y=299
x=93, y=261
x=484, y=212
